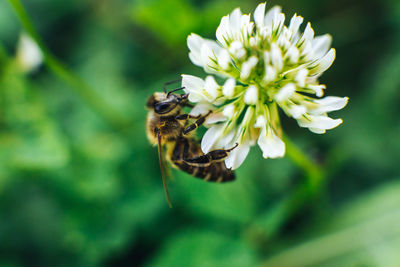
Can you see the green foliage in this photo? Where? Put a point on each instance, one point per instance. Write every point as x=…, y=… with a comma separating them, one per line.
x=80, y=185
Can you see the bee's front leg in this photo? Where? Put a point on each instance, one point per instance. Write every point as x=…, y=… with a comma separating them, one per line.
x=196, y=124
x=184, y=117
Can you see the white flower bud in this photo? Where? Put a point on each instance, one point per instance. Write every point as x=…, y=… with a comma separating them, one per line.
x=260, y=122
x=271, y=145
x=229, y=87
x=247, y=67
x=237, y=50
x=228, y=111
x=285, y=92
x=270, y=74
x=251, y=95
x=276, y=57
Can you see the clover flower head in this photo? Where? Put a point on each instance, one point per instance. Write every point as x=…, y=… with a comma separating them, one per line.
x=266, y=64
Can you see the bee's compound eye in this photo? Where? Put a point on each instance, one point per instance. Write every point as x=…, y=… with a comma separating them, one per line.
x=162, y=107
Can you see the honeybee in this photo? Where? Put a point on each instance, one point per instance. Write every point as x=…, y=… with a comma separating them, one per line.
x=168, y=126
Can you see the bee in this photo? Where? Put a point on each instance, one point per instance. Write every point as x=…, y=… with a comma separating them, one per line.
x=168, y=126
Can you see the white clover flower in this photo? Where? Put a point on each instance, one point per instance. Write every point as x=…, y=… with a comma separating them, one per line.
x=29, y=56
x=266, y=65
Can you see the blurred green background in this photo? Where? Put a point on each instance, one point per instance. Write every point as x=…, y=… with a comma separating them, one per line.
x=80, y=185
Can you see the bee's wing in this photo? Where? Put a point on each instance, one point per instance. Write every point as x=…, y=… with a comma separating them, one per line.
x=161, y=161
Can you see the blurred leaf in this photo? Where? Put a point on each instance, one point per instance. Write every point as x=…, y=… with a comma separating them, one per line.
x=204, y=249
x=32, y=139
x=364, y=232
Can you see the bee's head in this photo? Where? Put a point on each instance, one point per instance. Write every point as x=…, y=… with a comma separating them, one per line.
x=163, y=103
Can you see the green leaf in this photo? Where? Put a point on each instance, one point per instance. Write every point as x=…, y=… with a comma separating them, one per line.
x=365, y=231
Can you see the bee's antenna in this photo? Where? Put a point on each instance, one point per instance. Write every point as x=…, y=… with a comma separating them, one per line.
x=168, y=83
x=177, y=89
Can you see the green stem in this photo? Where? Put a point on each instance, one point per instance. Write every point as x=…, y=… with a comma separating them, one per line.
x=271, y=221
x=314, y=174
x=85, y=91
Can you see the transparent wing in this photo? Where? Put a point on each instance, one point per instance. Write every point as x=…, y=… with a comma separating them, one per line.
x=161, y=161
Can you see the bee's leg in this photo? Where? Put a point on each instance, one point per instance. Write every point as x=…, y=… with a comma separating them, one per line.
x=184, y=117
x=210, y=157
x=189, y=105
x=196, y=124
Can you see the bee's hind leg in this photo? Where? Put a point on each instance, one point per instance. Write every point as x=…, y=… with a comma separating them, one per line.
x=210, y=157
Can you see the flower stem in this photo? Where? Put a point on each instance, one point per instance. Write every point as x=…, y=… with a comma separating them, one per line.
x=314, y=174
x=270, y=222
x=84, y=90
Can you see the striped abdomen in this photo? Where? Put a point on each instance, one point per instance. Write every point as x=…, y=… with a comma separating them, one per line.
x=186, y=148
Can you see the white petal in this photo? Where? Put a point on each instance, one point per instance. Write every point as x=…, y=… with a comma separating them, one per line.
x=259, y=15
x=318, y=89
x=283, y=40
x=248, y=116
x=260, y=122
x=276, y=57
x=294, y=25
x=253, y=42
x=251, y=95
x=271, y=145
x=320, y=45
x=321, y=122
x=237, y=50
x=194, y=43
x=226, y=140
x=211, y=137
x=229, y=87
x=266, y=58
x=223, y=31
x=247, y=67
x=224, y=59
x=191, y=82
x=328, y=104
x=271, y=14
x=270, y=74
x=278, y=21
x=234, y=20
x=206, y=55
x=308, y=34
x=317, y=131
x=228, y=111
x=201, y=109
x=211, y=87
x=296, y=111
x=293, y=54
x=324, y=63
x=285, y=92
x=244, y=22
x=301, y=77
x=237, y=156
x=214, y=118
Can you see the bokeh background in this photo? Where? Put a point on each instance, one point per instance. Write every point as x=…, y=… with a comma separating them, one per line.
x=80, y=185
